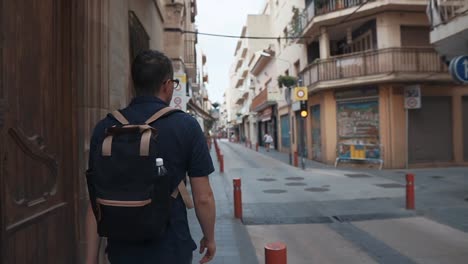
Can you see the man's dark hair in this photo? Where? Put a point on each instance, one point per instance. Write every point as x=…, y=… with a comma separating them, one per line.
x=150, y=69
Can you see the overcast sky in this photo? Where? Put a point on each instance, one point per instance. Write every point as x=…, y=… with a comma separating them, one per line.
x=222, y=17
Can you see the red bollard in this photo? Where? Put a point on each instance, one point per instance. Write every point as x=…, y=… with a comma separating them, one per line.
x=221, y=163
x=237, y=198
x=275, y=253
x=256, y=147
x=410, y=191
x=296, y=159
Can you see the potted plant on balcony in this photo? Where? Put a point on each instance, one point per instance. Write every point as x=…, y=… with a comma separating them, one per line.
x=286, y=81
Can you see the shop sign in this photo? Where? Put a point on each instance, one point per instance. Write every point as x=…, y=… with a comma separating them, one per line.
x=357, y=93
x=413, y=97
x=179, y=97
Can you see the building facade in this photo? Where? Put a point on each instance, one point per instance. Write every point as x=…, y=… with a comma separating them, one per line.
x=66, y=64
x=364, y=64
x=362, y=58
x=259, y=100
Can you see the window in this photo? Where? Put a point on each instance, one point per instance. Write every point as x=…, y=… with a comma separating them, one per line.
x=297, y=67
x=415, y=36
x=313, y=52
x=363, y=42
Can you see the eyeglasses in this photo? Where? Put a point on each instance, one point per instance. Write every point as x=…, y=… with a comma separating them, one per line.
x=175, y=82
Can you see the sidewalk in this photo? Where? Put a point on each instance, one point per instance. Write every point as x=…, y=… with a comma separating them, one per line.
x=232, y=240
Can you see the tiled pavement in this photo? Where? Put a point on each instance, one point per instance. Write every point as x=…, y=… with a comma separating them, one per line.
x=233, y=242
x=440, y=196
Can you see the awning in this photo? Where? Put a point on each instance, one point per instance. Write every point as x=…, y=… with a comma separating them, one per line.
x=199, y=110
x=265, y=115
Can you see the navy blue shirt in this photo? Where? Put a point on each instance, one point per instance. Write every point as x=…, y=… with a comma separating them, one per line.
x=182, y=145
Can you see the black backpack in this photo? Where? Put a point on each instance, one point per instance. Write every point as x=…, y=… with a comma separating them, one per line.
x=129, y=201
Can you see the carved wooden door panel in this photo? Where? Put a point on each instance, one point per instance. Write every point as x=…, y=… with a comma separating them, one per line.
x=37, y=145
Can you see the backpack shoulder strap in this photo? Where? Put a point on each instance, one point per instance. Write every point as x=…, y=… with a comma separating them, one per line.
x=182, y=189
x=161, y=113
x=119, y=117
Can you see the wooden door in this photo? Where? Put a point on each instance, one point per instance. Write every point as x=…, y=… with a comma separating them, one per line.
x=37, y=128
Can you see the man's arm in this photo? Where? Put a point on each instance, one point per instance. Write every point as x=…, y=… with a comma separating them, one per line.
x=206, y=213
x=92, y=238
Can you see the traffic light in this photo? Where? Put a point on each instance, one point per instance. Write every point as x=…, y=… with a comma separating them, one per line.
x=303, y=110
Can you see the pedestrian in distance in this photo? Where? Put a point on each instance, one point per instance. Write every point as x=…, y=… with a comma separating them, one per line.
x=139, y=161
x=268, y=140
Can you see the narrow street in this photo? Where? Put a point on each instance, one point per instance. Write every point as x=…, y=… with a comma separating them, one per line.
x=328, y=215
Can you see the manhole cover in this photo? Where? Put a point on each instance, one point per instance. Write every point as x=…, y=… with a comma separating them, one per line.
x=274, y=191
x=295, y=184
x=295, y=179
x=437, y=177
x=390, y=185
x=358, y=175
x=313, y=189
x=267, y=180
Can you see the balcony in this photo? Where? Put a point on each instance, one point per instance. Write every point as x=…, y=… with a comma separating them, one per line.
x=449, y=31
x=446, y=10
x=317, y=8
x=326, y=13
x=264, y=99
x=394, y=64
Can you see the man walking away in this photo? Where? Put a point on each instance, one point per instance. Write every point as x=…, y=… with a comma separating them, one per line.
x=178, y=139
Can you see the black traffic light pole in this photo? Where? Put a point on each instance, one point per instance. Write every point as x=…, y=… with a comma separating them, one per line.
x=302, y=129
x=302, y=146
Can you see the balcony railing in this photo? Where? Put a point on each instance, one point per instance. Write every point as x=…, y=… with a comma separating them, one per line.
x=263, y=99
x=384, y=61
x=445, y=10
x=323, y=7
x=319, y=7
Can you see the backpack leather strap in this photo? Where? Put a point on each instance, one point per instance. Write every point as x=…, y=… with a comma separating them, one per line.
x=117, y=115
x=182, y=189
x=107, y=144
x=160, y=114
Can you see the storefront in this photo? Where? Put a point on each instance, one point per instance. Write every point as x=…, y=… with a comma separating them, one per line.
x=285, y=132
x=267, y=124
x=430, y=131
x=315, y=114
x=358, y=125
x=465, y=127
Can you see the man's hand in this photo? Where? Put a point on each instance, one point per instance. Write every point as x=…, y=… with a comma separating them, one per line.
x=210, y=247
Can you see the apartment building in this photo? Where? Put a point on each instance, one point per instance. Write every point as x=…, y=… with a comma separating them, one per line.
x=361, y=58
x=242, y=86
x=449, y=27
x=258, y=99
x=449, y=34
